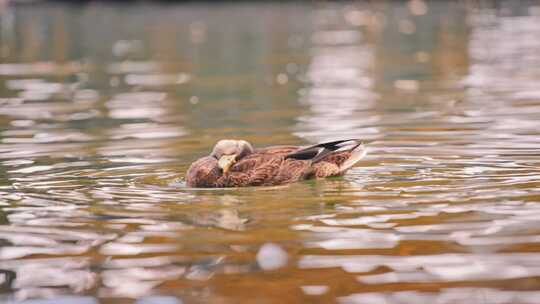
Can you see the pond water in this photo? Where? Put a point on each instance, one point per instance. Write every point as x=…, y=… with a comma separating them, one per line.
x=104, y=106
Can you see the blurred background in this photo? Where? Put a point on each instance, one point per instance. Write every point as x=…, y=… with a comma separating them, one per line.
x=103, y=106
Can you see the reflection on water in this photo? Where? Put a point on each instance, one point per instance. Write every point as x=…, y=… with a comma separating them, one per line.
x=103, y=107
x=339, y=80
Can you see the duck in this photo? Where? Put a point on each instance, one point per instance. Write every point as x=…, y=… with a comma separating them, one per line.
x=235, y=163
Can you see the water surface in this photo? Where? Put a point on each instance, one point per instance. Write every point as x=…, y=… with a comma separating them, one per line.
x=103, y=107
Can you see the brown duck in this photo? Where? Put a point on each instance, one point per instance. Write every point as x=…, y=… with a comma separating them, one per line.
x=234, y=163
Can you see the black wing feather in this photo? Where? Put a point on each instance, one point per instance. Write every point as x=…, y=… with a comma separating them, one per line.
x=317, y=152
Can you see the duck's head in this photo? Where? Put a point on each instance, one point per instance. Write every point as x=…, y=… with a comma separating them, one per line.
x=229, y=151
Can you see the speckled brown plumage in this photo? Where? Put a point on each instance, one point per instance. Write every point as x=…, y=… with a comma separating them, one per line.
x=277, y=165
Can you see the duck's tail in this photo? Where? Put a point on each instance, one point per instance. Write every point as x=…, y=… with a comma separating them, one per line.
x=352, y=148
x=356, y=154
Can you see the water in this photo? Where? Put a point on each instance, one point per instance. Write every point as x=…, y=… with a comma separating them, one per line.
x=103, y=107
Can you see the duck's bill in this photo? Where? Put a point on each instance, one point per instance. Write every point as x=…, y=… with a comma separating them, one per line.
x=226, y=161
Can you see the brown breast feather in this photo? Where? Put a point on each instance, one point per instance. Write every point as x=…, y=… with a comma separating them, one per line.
x=204, y=172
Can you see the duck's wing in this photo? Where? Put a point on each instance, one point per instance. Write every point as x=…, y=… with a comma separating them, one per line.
x=203, y=173
x=331, y=158
x=264, y=173
x=262, y=156
x=278, y=150
x=318, y=152
x=265, y=166
x=255, y=170
x=251, y=162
